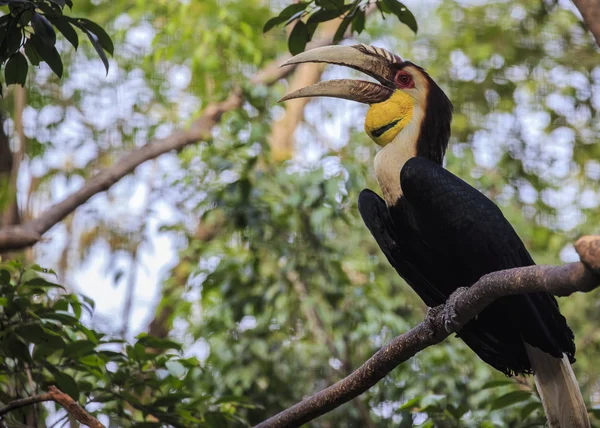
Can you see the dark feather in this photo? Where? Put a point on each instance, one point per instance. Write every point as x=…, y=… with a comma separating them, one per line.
x=444, y=234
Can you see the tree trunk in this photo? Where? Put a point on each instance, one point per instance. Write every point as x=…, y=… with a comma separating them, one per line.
x=590, y=10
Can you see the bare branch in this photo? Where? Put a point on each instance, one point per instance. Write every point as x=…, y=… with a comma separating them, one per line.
x=27, y=234
x=17, y=404
x=563, y=280
x=55, y=394
x=590, y=10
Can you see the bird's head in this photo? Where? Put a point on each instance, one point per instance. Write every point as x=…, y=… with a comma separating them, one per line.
x=404, y=99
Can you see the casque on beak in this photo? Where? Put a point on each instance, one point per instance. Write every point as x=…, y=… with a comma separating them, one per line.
x=375, y=62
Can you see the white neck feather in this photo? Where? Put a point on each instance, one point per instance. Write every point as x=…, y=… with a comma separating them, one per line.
x=392, y=157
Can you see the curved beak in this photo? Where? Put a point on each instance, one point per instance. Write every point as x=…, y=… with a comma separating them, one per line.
x=375, y=62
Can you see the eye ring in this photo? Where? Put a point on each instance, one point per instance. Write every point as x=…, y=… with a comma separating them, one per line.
x=403, y=79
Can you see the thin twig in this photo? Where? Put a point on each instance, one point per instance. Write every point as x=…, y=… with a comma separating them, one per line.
x=55, y=394
x=563, y=280
x=22, y=402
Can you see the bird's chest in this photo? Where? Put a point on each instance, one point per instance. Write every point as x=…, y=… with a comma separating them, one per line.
x=388, y=164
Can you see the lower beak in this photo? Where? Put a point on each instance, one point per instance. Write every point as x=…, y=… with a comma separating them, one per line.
x=375, y=62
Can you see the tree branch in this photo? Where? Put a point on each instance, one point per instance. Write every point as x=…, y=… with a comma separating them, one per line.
x=55, y=394
x=563, y=280
x=590, y=11
x=27, y=234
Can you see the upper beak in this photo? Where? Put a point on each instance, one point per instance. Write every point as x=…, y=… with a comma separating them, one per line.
x=375, y=62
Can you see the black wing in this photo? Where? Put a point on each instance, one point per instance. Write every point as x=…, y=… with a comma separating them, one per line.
x=445, y=234
x=399, y=249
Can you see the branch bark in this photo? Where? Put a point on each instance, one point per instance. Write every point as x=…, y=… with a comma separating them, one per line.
x=590, y=11
x=27, y=234
x=563, y=280
x=55, y=394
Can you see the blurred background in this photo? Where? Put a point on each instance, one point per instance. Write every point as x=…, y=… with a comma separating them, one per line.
x=247, y=248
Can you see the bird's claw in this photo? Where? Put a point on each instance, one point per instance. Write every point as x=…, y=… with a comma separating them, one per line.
x=451, y=323
x=432, y=314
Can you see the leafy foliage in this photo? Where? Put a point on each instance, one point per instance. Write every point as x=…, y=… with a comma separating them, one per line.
x=276, y=280
x=29, y=27
x=306, y=16
x=43, y=341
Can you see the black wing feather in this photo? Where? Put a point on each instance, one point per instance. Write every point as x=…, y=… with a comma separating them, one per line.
x=397, y=248
x=444, y=234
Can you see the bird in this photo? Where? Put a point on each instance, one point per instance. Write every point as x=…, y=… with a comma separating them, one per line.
x=440, y=233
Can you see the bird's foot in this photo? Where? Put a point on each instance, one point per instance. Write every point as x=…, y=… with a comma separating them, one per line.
x=451, y=323
x=432, y=314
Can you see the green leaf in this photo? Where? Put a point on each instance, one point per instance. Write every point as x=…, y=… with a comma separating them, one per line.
x=292, y=9
x=358, y=22
x=48, y=54
x=509, y=399
x=93, y=361
x=411, y=404
x=43, y=29
x=17, y=348
x=41, y=352
x=102, y=37
x=48, y=9
x=103, y=398
x=276, y=20
x=323, y=15
x=294, y=18
x=97, y=46
x=285, y=14
x=175, y=368
x=64, y=317
x=66, y=29
x=112, y=356
x=38, y=268
x=341, y=31
x=432, y=400
x=169, y=400
x=497, y=383
x=459, y=411
x=190, y=363
x=298, y=38
x=158, y=343
x=330, y=4
x=5, y=21
x=90, y=334
x=233, y=399
x=14, y=37
x=404, y=15
x=67, y=384
x=4, y=277
x=89, y=301
x=529, y=408
x=39, y=282
x=35, y=333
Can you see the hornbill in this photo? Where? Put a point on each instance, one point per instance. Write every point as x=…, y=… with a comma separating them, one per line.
x=440, y=233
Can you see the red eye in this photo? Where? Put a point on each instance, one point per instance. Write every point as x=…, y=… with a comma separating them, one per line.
x=403, y=79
